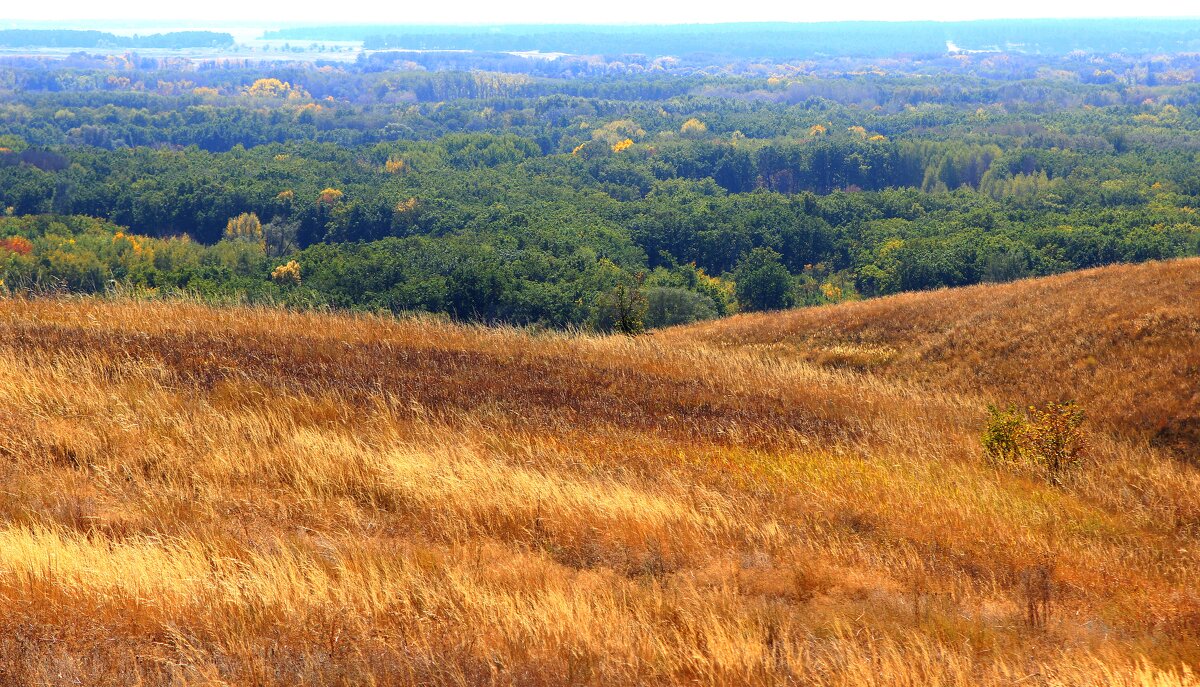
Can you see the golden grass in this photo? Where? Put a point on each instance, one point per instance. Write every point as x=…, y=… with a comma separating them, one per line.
x=1123, y=340
x=246, y=496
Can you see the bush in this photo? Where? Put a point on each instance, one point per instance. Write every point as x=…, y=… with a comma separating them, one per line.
x=668, y=306
x=1002, y=436
x=1048, y=440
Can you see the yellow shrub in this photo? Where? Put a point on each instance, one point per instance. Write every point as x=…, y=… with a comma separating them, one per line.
x=288, y=273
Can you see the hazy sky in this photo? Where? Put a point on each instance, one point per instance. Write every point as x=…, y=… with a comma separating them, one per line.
x=219, y=12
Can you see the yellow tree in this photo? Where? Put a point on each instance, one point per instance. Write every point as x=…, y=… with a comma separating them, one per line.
x=288, y=273
x=274, y=88
x=245, y=227
x=693, y=128
x=622, y=145
x=269, y=88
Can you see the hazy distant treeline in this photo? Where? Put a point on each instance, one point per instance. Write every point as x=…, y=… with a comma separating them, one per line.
x=784, y=40
x=56, y=38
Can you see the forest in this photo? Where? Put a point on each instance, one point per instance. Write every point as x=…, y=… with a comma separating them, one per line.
x=607, y=192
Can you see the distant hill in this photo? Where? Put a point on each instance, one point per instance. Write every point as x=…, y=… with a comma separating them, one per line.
x=1123, y=340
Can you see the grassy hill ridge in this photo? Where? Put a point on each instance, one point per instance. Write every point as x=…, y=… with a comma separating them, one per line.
x=1123, y=340
x=250, y=496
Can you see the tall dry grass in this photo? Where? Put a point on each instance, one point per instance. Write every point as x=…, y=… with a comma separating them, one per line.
x=246, y=496
x=1124, y=340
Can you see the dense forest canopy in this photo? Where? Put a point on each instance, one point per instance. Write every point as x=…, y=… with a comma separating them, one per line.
x=586, y=189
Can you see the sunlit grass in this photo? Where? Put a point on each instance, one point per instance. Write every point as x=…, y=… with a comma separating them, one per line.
x=248, y=496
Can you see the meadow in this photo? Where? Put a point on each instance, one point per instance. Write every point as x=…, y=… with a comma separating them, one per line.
x=246, y=495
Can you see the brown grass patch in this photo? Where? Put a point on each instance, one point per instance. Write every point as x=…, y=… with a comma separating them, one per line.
x=245, y=496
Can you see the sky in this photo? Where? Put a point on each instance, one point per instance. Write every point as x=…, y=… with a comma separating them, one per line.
x=215, y=13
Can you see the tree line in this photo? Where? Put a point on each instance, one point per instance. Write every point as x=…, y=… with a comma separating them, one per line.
x=564, y=210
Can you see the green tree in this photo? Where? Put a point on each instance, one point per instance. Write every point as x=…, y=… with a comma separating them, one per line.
x=762, y=282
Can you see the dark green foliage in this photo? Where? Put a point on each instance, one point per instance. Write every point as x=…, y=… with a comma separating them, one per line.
x=621, y=309
x=763, y=283
x=499, y=197
x=668, y=306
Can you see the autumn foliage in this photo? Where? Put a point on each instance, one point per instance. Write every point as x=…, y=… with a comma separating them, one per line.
x=17, y=244
x=621, y=145
x=271, y=87
x=693, y=128
x=1049, y=440
x=246, y=227
x=287, y=273
x=330, y=196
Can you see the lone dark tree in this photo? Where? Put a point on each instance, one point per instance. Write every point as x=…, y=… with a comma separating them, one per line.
x=623, y=309
x=762, y=282
x=628, y=309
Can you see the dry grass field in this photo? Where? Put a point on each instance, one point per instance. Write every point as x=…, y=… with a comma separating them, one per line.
x=245, y=496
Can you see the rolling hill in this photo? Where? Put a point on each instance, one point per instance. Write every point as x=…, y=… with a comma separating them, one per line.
x=1123, y=340
x=250, y=496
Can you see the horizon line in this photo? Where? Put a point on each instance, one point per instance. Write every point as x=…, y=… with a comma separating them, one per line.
x=315, y=23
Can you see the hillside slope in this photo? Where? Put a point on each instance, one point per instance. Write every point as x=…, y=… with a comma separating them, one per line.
x=1124, y=341
x=247, y=496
